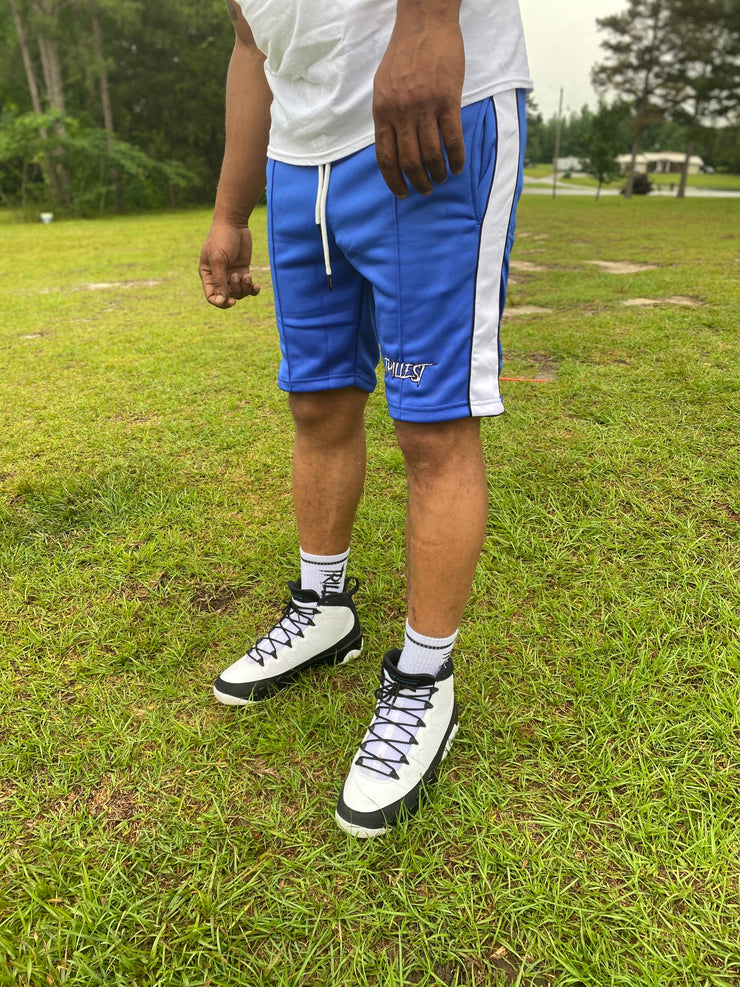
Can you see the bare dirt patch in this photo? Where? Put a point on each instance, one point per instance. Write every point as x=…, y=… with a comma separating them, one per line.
x=729, y=512
x=217, y=599
x=622, y=266
x=7, y=790
x=514, y=311
x=476, y=971
x=110, y=804
x=107, y=285
x=527, y=267
x=685, y=300
x=545, y=367
x=107, y=802
x=132, y=590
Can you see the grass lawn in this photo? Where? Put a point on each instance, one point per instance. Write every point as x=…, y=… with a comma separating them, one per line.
x=716, y=182
x=586, y=827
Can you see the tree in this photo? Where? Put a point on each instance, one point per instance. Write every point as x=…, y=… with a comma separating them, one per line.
x=575, y=132
x=535, y=125
x=45, y=25
x=603, y=142
x=149, y=76
x=541, y=134
x=53, y=170
x=721, y=147
x=89, y=153
x=637, y=46
x=703, y=79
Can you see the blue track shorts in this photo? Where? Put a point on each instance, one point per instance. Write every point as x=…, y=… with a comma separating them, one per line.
x=420, y=280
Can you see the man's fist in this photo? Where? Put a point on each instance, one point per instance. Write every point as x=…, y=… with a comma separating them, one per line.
x=224, y=265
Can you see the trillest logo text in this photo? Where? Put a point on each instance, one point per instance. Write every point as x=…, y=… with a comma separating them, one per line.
x=406, y=371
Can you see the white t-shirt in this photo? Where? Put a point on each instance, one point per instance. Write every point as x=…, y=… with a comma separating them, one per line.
x=322, y=55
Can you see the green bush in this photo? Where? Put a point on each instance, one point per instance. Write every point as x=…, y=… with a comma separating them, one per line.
x=52, y=162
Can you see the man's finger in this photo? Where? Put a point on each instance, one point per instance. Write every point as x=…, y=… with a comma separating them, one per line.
x=450, y=126
x=216, y=297
x=238, y=284
x=432, y=154
x=386, y=153
x=215, y=291
x=241, y=284
x=410, y=159
x=213, y=274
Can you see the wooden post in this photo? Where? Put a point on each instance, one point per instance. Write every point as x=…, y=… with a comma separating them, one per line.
x=557, y=145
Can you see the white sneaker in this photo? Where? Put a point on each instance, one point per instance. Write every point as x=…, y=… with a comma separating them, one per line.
x=414, y=723
x=312, y=631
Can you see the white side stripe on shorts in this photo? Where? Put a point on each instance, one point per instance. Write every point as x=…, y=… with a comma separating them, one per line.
x=484, y=394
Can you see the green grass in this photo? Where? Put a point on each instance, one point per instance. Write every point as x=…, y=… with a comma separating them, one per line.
x=543, y=170
x=716, y=182
x=585, y=827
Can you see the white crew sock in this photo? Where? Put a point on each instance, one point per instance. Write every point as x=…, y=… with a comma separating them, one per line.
x=324, y=574
x=424, y=655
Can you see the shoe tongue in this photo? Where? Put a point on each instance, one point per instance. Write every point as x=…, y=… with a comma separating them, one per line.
x=304, y=596
x=390, y=668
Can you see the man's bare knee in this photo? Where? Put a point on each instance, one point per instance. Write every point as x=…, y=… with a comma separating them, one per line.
x=332, y=415
x=435, y=445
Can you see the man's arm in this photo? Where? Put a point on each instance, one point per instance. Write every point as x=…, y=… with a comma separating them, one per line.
x=227, y=252
x=416, y=102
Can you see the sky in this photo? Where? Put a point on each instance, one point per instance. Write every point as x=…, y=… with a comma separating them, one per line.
x=563, y=45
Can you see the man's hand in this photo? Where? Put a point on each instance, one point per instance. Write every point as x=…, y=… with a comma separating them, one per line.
x=224, y=265
x=416, y=101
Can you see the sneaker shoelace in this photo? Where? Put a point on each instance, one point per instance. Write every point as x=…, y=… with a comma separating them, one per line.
x=399, y=715
x=294, y=620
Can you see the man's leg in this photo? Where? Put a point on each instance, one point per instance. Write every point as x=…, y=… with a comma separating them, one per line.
x=319, y=625
x=440, y=341
x=328, y=466
x=415, y=716
x=446, y=521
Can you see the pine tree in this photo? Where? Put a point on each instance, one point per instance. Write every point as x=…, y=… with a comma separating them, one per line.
x=703, y=78
x=638, y=47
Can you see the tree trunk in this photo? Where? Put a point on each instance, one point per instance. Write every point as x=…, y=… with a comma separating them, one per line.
x=681, y=194
x=52, y=69
x=51, y=66
x=33, y=90
x=598, y=190
x=631, y=176
x=105, y=102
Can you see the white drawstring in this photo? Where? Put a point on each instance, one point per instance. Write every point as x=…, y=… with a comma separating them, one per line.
x=321, y=197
